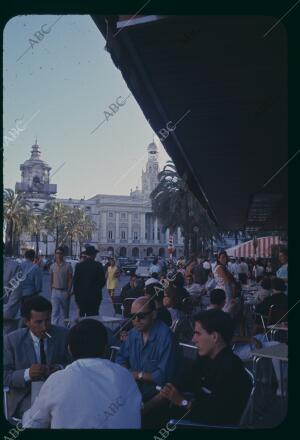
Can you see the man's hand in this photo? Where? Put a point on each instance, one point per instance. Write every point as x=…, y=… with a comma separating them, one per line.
x=38, y=371
x=172, y=394
x=135, y=375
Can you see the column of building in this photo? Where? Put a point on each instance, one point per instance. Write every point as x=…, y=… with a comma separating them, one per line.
x=117, y=227
x=129, y=227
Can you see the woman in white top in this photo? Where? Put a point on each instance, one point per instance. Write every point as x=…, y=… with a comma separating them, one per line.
x=223, y=277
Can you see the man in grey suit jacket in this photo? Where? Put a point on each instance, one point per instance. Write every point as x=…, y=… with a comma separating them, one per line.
x=32, y=353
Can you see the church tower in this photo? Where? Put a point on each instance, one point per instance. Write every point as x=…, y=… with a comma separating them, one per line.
x=35, y=180
x=149, y=177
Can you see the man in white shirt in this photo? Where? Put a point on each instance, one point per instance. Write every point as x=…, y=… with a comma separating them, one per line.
x=91, y=393
x=243, y=267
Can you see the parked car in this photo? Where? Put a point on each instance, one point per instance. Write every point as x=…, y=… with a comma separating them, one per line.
x=130, y=266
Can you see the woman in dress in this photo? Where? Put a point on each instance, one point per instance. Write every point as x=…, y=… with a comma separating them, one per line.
x=112, y=275
x=223, y=277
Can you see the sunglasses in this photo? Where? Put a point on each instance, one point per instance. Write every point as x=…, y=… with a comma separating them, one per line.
x=141, y=315
x=58, y=253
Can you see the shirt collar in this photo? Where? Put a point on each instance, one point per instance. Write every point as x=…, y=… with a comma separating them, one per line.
x=34, y=338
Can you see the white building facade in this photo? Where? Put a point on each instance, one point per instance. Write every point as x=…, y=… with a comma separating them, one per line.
x=126, y=226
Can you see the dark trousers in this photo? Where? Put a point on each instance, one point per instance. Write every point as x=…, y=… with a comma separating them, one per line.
x=90, y=308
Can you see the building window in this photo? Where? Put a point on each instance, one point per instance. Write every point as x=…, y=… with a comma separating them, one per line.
x=110, y=214
x=136, y=216
x=135, y=235
x=123, y=215
x=110, y=235
x=123, y=235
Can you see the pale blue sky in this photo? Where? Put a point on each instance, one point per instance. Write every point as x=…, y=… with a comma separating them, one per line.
x=64, y=84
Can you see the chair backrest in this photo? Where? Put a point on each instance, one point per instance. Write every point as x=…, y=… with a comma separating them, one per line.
x=127, y=303
x=189, y=351
x=276, y=314
x=113, y=352
x=249, y=400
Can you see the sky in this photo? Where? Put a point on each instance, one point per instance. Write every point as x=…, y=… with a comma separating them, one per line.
x=58, y=82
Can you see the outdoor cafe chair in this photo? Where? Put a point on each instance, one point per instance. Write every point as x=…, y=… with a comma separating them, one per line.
x=275, y=315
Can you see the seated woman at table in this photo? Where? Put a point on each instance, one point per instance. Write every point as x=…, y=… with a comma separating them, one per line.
x=277, y=298
x=264, y=290
x=172, y=302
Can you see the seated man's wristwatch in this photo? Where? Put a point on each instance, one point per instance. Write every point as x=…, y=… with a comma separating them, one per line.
x=185, y=403
x=141, y=375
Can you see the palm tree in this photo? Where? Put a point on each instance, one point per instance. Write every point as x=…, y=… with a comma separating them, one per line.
x=175, y=205
x=35, y=225
x=55, y=218
x=16, y=210
x=86, y=226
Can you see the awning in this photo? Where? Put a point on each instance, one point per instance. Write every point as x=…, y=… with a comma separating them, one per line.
x=226, y=84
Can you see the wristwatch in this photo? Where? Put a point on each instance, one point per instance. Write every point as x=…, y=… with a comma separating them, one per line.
x=141, y=375
x=184, y=403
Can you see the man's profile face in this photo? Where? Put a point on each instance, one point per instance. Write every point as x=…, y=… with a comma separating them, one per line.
x=282, y=258
x=39, y=323
x=204, y=341
x=145, y=317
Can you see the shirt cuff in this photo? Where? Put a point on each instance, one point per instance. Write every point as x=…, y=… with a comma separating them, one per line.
x=27, y=375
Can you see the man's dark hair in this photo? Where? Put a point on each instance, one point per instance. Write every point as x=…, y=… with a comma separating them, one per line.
x=87, y=339
x=30, y=254
x=155, y=291
x=283, y=251
x=217, y=296
x=60, y=249
x=266, y=283
x=278, y=284
x=37, y=304
x=243, y=278
x=217, y=321
x=179, y=280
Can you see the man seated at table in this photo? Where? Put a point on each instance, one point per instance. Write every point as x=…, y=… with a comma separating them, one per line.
x=218, y=380
x=133, y=289
x=277, y=298
x=91, y=393
x=150, y=351
x=32, y=353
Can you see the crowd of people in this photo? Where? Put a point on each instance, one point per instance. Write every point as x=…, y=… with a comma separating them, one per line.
x=136, y=376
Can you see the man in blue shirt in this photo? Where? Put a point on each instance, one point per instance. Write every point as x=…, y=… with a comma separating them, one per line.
x=150, y=351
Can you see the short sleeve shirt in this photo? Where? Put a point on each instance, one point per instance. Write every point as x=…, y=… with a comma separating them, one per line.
x=61, y=273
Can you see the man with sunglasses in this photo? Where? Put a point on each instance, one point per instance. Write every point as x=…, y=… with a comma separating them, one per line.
x=150, y=352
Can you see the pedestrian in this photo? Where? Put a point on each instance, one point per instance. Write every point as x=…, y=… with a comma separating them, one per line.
x=61, y=285
x=223, y=277
x=89, y=279
x=282, y=272
x=112, y=276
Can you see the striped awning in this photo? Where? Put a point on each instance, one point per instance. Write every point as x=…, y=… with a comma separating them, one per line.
x=246, y=250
